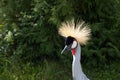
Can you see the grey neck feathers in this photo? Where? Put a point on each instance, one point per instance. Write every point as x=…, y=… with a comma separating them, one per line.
x=78, y=53
x=76, y=65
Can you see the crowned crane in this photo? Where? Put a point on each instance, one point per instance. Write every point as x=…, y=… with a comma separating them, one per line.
x=76, y=35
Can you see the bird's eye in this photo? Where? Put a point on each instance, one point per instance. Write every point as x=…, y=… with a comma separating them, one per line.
x=74, y=45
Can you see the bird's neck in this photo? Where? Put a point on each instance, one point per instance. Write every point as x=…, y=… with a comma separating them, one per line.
x=76, y=65
x=76, y=53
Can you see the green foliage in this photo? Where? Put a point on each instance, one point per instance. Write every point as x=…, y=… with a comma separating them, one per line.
x=28, y=33
x=48, y=71
x=56, y=70
x=28, y=29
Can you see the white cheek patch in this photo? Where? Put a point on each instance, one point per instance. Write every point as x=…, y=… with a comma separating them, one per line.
x=74, y=45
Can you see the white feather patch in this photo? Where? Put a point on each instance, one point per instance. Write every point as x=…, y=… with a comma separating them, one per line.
x=81, y=32
x=74, y=45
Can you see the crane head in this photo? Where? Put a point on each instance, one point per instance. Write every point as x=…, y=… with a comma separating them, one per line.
x=70, y=43
x=74, y=32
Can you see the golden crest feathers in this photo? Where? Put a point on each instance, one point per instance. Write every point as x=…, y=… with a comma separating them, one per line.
x=80, y=31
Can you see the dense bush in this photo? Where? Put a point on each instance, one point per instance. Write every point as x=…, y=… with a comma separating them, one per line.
x=29, y=28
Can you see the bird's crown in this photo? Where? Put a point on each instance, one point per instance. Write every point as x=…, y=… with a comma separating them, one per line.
x=80, y=31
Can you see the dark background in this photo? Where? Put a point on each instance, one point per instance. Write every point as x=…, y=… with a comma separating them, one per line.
x=29, y=36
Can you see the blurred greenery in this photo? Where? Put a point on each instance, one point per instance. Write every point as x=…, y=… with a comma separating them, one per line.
x=30, y=45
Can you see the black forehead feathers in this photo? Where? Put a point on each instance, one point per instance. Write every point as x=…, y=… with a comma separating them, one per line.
x=69, y=40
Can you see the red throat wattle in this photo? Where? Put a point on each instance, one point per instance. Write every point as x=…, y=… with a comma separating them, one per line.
x=73, y=51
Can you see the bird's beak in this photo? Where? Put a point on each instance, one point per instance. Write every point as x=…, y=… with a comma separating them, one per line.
x=65, y=49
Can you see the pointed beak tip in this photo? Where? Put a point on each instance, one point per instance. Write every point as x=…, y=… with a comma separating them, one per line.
x=64, y=50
